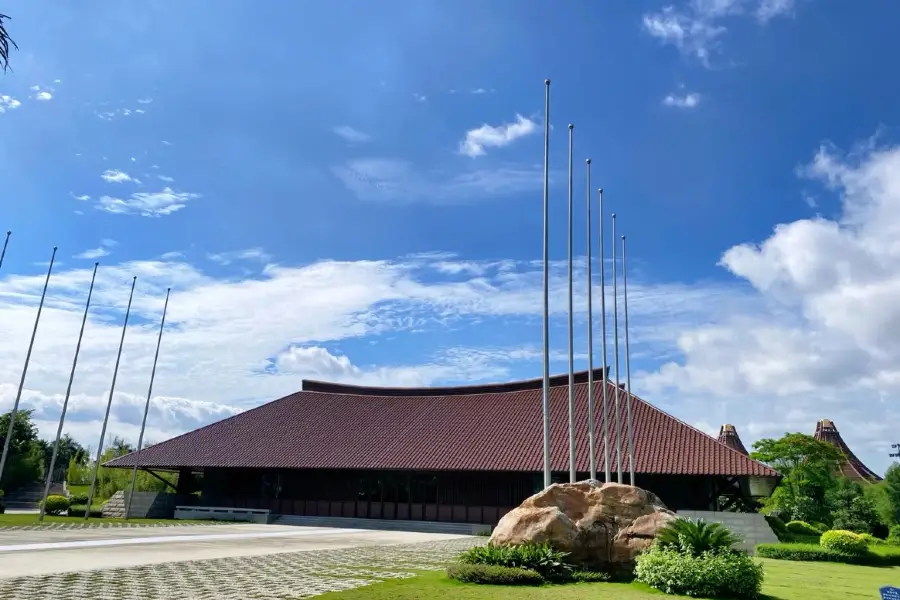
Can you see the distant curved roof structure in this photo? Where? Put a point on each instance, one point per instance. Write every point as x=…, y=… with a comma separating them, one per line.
x=728, y=435
x=493, y=427
x=851, y=467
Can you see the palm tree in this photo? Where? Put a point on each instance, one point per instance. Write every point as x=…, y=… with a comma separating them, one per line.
x=5, y=43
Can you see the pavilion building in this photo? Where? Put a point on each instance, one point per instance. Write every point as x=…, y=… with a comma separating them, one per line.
x=851, y=467
x=456, y=454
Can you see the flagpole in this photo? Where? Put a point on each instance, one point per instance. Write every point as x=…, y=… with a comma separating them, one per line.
x=616, y=353
x=5, y=244
x=545, y=402
x=112, y=389
x=162, y=324
x=62, y=416
x=572, y=470
x=592, y=459
x=628, y=397
x=12, y=415
x=606, y=463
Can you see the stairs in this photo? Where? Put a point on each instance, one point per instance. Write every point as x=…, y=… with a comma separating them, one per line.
x=382, y=524
x=29, y=497
x=752, y=527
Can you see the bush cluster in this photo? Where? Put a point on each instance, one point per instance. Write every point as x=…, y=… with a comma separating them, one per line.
x=543, y=559
x=711, y=574
x=871, y=540
x=803, y=528
x=845, y=542
x=493, y=575
x=2, y=506
x=56, y=505
x=894, y=535
x=879, y=556
x=78, y=499
x=78, y=511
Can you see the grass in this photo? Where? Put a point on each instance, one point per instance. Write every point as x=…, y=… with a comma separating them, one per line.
x=785, y=580
x=18, y=520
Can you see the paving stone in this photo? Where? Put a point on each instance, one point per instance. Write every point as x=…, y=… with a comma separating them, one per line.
x=101, y=525
x=286, y=576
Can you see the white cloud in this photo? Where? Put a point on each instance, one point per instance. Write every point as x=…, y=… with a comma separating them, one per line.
x=115, y=176
x=688, y=100
x=420, y=97
x=697, y=28
x=45, y=95
x=146, y=204
x=252, y=254
x=8, y=103
x=391, y=180
x=488, y=136
x=351, y=135
x=144, y=100
x=93, y=253
x=82, y=197
x=828, y=343
x=165, y=178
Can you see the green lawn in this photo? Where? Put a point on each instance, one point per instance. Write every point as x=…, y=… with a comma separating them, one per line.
x=785, y=580
x=17, y=520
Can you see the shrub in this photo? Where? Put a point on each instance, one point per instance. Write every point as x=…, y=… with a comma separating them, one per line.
x=870, y=539
x=802, y=528
x=878, y=556
x=590, y=576
x=78, y=499
x=493, y=575
x=778, y=527
x=712, y=574
x=894, y=535
x=78, y=511
x=2, y=506
x=542, y=558
x=845, y=542
x=56, y=505
x=696, y=537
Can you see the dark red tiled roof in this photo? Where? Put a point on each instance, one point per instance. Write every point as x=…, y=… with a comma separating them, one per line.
x=349, y=427
x=851, y=467
x=728, y=435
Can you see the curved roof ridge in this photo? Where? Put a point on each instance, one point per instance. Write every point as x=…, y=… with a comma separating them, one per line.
x=852, y=467
x=328, y=387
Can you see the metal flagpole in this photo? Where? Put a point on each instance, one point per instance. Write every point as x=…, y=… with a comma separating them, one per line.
x=572, y=473
x=5, y=244
x=162, y=324
x=616, y=353
x=112, y=389
x=62, y=416
x=606, y=463
x=627, y=370
x=12, y=415
x=546, y=326
x=592, y=459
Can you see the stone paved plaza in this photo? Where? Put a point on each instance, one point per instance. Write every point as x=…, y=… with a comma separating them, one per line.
x=271, y=577
x=99, y=524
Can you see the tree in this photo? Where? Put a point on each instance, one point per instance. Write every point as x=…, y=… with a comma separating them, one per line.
x=25, y=462
x=5, y=43
x=851, y=508
x=892, y=491
x=807, y=466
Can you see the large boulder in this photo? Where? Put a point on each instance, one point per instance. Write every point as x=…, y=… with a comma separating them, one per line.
x=601, y=526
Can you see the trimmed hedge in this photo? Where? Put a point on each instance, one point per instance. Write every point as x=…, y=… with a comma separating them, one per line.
x=56, y=505
x=845, y=542
x=493, y=575
x=590, y=577
x=802, y=528
x=879, y=556
x=718, y=574
x=78, y=499
x=78, y=511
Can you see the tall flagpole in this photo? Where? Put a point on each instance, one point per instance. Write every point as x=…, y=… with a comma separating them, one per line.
x=616, y=353
x=572, y=473
x=162, y=324
x=62, y=416
x=592, y=459
x=5, y=244
x=545, y=402
x=15, y=409
x=112, y=389
x=606, y=463
x=628, y=398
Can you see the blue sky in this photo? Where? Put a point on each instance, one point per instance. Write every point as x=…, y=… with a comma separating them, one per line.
x=353, y=191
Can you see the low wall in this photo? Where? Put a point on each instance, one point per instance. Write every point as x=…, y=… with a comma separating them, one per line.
x=223, y=514
x=752, y=527
x=146, y=505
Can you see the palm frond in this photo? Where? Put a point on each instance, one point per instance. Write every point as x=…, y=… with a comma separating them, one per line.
x=5, y=43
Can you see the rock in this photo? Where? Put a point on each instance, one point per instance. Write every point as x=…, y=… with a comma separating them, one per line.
x=601, y=526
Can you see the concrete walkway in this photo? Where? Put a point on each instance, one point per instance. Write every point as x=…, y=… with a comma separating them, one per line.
x=31, y=553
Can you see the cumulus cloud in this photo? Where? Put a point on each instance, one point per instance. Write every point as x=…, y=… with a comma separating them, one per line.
x=696, y=29
x=147, y=204
x=8, y=103
x=488, y=136
x=253, y=254
x=688, y=100
x=116, y=176
x=828, y=343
